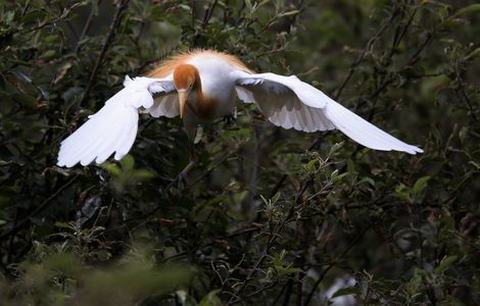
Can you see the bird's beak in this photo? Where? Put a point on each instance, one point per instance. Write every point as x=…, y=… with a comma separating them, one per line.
x=182, y=98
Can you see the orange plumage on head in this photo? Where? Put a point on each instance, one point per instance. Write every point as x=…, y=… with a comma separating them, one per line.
x=186, y=76
x=166, y=67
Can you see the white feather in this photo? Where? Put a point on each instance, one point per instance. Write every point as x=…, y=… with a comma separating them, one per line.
x=364, y=132
x=312, y=110
x=166, y=106
x=114, y=127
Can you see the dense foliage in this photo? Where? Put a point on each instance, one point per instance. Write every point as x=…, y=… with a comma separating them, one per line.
x=269, y=216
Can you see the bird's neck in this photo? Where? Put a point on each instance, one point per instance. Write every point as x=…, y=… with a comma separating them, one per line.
x=202, y=105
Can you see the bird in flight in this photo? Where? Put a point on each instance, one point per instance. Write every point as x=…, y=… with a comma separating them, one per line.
x=200, y=86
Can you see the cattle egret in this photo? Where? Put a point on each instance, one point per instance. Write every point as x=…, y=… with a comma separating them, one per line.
x=200, y=86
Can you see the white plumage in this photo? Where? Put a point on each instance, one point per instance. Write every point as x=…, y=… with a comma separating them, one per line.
x=114, y=127
x=364, y=132
x=306, y=108
x=209, y=93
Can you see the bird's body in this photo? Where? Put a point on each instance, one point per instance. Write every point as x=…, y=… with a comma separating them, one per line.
x=202, y=85
x=215, y=95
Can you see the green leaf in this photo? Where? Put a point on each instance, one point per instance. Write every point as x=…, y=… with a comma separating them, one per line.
x=403, y=192
x=467, y=9
x=63, y=225
x=112, y=169
x=446, y=263
x=25, y=100
x=94, y=7
x=63, y=263
x=475, y=164
x=211, y=299
x=336, y=147
x=472, y=54
x=185, y=7
x=263, y=3
x=420, y=184
x=345, y=291
x=248, y=4
x=351, y=167
x=411, y=287
x=290, y=13
x=336, y=177
x=50, y=54
x=368, y=180
x=198, y=135
x=144, y=174
x=62, y=71
x=276, y=197
x=310, y=166
x=128, y=163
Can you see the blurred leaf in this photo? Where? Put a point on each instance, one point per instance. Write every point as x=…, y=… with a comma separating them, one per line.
x=289, y=13
x=211, y=299
x=446, y=263
x=420, y=184
x=472, y=8
x=127, y=163
x=117, y=286
x=112, y=168
x=25, y=100
x=345, y=291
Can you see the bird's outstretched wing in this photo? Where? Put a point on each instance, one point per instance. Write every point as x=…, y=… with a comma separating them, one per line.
x=288, y=102
x=114, y=127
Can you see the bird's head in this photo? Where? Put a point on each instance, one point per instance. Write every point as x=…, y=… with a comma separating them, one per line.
x=185, y=78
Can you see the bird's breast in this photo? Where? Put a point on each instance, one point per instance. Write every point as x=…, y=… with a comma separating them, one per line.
x=213, y=102
x=217, y=86
x=204, y=107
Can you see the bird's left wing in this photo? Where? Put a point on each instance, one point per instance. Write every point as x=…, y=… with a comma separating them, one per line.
x=288, y=102
x=114, y=127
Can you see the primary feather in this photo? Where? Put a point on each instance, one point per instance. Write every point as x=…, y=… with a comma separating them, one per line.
x=363, y=131
x=114, y=127
x=290, y=103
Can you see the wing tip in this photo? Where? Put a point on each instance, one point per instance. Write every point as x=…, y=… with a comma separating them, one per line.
x=415, y=150
x=127, y=80
x=62, y=162
x=409, y=149
x=65, y=163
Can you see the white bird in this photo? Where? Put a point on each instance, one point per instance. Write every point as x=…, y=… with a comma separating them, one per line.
x=200, y=86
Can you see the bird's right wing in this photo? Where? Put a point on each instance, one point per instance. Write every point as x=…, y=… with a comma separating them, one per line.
x=288, y=102
x=114, y=127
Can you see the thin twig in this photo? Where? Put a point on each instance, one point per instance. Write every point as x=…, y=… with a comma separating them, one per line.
x=39, y=209
x=288, y=293
x=122, y=5
x=331, y=265
x=64, y=15
x=86, y=27
x=248, y=278
x=362, y=54
x=206, y=19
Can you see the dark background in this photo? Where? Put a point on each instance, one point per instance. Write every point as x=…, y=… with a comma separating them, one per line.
x=269, y=216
